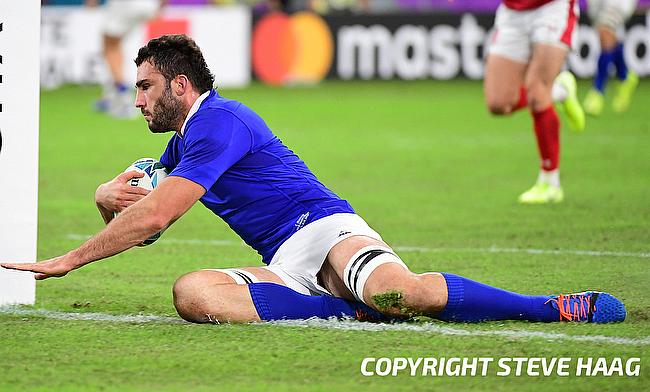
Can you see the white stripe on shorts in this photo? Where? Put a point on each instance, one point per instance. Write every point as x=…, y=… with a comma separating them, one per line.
x=240, y=276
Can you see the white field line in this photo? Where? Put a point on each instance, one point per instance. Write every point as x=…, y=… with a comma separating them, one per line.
x=433, y=328
x=75, y=316
x=492, y=249
x=496, y=249
x=345, y=325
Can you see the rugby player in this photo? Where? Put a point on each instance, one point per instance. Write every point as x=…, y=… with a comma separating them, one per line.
x=609, y=17
x=530, y=42
x=322, y=260
x=120, y=18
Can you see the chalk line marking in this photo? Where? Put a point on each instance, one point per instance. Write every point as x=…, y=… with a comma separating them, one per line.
x=76, y=316
x=492, y=249
x=344, y=325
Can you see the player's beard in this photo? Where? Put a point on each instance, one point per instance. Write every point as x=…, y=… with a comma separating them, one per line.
x=167, y=113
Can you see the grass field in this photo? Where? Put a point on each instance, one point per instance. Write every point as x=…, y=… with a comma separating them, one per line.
x=426, y=166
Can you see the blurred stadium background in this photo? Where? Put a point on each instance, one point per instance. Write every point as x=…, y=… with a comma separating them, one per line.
x=381, y=39
x=383, y=100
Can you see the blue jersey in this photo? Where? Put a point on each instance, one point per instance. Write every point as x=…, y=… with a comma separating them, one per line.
x=259, y=187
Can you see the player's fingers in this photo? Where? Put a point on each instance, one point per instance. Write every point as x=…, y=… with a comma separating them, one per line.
x=126, y=176
x=40, y=276
x=20, y=266
x=136, y=190
x=124, y=204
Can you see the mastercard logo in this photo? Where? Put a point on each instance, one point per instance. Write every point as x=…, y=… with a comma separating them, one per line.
x=292, y=49
x=159, y=27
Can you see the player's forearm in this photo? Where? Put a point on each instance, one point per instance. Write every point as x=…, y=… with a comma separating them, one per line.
x=151, y=214
x=125, y=231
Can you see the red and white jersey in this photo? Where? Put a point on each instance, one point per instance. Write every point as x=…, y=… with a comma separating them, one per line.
x=520, y=5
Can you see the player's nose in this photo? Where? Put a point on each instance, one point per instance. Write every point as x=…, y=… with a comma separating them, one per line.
x=140, y=102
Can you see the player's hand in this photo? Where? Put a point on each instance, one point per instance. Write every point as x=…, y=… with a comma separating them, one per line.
x=118, y=194
x=56, y=267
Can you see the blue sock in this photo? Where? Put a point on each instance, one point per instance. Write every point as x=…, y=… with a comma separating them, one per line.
x=602, y=73
x=276, y=302
x=470, y=301
x=619, y=61
x=121, y=87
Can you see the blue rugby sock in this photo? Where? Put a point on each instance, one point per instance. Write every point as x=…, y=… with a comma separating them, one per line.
x=276, y=302
x=121, y=87
x=619, y=61
x=470, y=301
x=602, y=73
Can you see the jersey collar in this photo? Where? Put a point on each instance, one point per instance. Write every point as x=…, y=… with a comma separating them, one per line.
x=195, y=108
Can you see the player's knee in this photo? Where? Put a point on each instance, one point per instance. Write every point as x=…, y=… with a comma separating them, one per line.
x=369, y=267
x=376, y=276
x=408, y=295
x=539, y=94
x=188, y=296
x=499, y=105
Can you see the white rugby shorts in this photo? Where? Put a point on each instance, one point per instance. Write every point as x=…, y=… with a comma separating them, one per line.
x=298, y=260
x=122, y=16
x=610, y=13
x=515, y=32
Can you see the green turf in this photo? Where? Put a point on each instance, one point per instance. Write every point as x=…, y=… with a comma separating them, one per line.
x=424, y=164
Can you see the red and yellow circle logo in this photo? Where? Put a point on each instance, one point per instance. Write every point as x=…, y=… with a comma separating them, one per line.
x=292, y=49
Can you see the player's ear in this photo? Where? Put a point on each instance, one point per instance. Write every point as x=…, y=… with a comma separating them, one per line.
x=180, y=84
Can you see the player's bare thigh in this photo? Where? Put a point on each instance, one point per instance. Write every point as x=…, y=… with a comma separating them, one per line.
x=331, y=274
x=504, y=78
x=214, y=296
x=546, y=63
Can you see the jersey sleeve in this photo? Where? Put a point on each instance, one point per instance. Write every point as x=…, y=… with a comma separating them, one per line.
x=214, y=140
x=168, y=157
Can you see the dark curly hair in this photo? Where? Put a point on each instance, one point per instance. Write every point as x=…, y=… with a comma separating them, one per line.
x=177, y=54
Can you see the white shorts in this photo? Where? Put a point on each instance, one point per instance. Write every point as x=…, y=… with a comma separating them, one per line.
x=122, y=16
x=298, y=260
x=610, y=13
x=515, y=32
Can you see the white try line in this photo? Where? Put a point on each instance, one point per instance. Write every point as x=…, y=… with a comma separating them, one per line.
x=492, y=249
x=344, y=325
x=75, y=316
x=438, y=329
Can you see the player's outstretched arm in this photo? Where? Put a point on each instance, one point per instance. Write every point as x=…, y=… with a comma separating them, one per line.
x=163, y=206
x=117, y=194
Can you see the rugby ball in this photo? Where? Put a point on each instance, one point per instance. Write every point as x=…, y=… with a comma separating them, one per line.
x=154, y=172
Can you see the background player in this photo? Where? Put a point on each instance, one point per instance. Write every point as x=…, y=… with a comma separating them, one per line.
x=530, y=42
x=121, y=17
x=609, y=17
x=323, y=259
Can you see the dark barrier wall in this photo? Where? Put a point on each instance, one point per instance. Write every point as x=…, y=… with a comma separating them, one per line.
x=438, y=46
